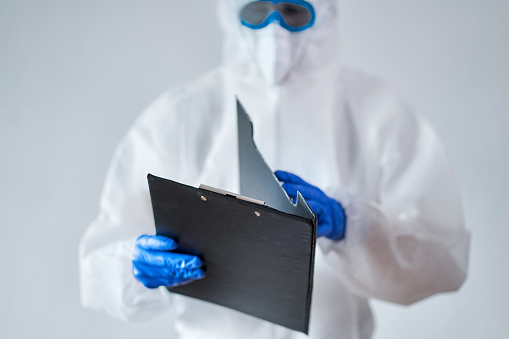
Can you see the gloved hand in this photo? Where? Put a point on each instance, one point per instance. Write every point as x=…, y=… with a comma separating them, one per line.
x=155, y=265
x=331, y=215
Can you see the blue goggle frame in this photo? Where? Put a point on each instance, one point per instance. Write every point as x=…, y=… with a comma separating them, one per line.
x=276, y=16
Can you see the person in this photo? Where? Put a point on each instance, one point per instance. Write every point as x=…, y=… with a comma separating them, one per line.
x=378, y=176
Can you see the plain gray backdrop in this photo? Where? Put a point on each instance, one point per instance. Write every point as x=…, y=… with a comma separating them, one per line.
x=75, y=74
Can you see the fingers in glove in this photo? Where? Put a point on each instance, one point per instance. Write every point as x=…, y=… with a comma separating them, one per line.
x=186, y=261
x=289, y=177
x=147, y=280
x=324, y=220
x=156, y=243
x=180, y=278
x=194, y=275
x=308, y=192
x=317, y=208
x=156, y=272
x=166, y=259
x=161, y=272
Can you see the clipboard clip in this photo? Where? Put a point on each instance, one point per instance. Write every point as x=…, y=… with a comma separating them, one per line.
x=238, y=196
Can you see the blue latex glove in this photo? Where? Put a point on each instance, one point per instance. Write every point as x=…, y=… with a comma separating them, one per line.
x=155, y=265
x=331, y=215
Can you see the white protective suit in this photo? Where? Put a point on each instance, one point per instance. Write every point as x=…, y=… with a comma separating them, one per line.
x=337, y=128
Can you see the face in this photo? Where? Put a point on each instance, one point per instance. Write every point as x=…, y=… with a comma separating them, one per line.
x=275, y=33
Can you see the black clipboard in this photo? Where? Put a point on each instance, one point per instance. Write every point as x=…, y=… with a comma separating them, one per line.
x=258, y=248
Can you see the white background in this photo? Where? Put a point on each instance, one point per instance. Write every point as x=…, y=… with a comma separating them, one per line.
x=75, y=74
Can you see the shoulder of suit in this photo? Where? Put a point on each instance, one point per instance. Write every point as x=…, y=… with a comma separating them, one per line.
x=360, y=84
x=373, y=99
x=197, y=97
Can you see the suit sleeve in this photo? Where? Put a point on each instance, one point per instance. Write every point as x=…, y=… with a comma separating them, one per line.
x=107, y=281
x=409, y=242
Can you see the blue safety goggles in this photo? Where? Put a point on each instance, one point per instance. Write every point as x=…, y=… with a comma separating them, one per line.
x=293, y=15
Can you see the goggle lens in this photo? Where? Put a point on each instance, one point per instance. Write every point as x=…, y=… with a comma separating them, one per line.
x=255, y=13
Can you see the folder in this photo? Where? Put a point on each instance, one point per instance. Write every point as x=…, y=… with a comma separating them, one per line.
x=257, y=246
